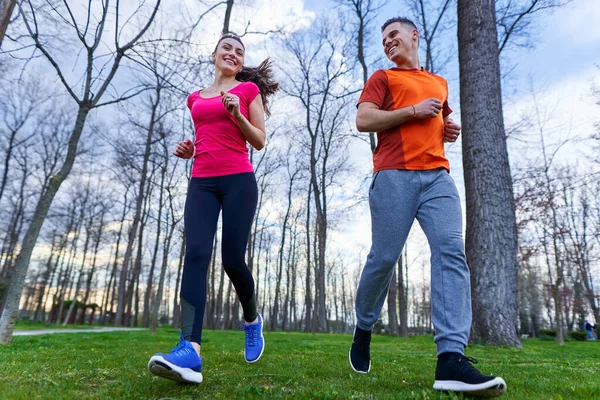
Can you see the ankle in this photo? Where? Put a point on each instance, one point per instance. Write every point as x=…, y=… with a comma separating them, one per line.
x=449, y=355
x=196, y=347
x=255, y=321
x=361, y=332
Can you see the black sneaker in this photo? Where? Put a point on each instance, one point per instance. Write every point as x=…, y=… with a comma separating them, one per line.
x=454, y=372
x=360, y=353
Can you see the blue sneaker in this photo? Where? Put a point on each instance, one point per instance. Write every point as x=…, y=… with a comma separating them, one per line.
x=182, y=364
x=255, y=342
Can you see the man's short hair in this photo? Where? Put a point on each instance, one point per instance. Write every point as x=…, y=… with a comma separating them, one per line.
x=402, y=20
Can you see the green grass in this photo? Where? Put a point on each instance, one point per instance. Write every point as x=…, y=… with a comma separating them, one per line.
x=294, y=365
x=25, y=325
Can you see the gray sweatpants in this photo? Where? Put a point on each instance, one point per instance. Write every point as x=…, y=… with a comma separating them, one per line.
x=396, y=198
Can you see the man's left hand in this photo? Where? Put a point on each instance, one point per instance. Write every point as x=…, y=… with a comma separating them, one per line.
x=451, y=131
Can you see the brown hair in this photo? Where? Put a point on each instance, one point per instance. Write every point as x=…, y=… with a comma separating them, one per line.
x=402, y=20
x=262, y=75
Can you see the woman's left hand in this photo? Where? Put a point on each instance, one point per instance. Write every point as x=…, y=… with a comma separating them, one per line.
x=231, y=103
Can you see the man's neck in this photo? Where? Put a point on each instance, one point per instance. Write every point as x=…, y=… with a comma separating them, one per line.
x=409, y=63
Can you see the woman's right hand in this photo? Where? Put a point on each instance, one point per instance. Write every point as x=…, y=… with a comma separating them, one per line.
x=185, y=149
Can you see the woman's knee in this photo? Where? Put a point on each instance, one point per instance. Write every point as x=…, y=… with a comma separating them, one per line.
x=197, y=254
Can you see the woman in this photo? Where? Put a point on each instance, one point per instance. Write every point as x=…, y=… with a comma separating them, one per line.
x=227, y=115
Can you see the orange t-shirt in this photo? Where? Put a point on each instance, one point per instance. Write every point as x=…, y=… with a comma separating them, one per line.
x=417, y=144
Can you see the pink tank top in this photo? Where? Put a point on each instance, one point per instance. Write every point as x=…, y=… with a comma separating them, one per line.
x=220, y=144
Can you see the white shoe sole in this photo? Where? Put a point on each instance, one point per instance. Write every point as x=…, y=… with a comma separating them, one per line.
x=261, y=352
x=493, y=388
x=160, y=367
x=352, y=366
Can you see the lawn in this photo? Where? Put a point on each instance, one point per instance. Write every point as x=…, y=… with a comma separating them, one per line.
x=294, y=365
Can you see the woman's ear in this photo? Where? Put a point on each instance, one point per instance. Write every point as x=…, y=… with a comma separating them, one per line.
x=213, y=57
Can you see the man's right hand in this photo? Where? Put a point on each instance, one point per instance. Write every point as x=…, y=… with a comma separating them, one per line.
x=428, y=108
x=184, y=149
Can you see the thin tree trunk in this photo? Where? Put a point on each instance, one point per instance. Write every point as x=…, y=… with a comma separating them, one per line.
x=45, y=281
x=12, y=238
x=402, y=298
x=88, y=285
x=122, y=298
x=147, y=294
x=113, y=273
x=227, y=17
x=163, y=269
x=308, y=294
x=133, y=288
x=73, y=307
x=176, y=308
x=219, y=313
x=391, y=305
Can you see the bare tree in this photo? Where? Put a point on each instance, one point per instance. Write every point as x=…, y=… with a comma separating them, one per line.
x=17, y=107
x=364, y=11
x=292, y=175
x=95, y=85
x=515, y=17
x=491, y=234
x=318, y=67
x=171, y=225
x=431, y=19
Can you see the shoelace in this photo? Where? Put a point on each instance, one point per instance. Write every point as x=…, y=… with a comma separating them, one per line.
x=467, y=366
x=180, y=346
x=251, y=334
x=471, y=360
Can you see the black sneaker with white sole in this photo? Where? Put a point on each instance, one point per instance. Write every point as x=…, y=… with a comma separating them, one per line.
x=455, y=372
x=360, y=352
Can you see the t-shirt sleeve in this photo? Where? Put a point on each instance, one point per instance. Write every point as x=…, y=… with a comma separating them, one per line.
x=375, y=89
x=190, y=100
x=252, y=91
x=446, y=110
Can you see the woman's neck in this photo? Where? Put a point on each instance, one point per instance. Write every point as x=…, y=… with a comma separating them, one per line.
x=222, y=81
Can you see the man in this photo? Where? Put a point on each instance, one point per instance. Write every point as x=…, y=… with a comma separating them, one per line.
x=408, y=108
x=589, y=328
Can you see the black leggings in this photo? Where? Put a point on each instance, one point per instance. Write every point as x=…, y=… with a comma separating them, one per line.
x=237, y=195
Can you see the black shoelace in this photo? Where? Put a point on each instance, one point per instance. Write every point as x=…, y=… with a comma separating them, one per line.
x=467, y=365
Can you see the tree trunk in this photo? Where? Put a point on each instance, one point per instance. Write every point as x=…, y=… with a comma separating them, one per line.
x=73, y=307
x=6, y=9
x=491, y=234
x=275, y=309
x=12, y=238
x=88, y=285
x=392, y=298
x=307, y=294
x=219, y=312
x=13, y=298
x=121, y=297
x=176, y=308
x=161, y=280
x=133, y=287
x=147, y=294
x=45, y=281
x=402, y=298
x=113, y=274
x=227, y=17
